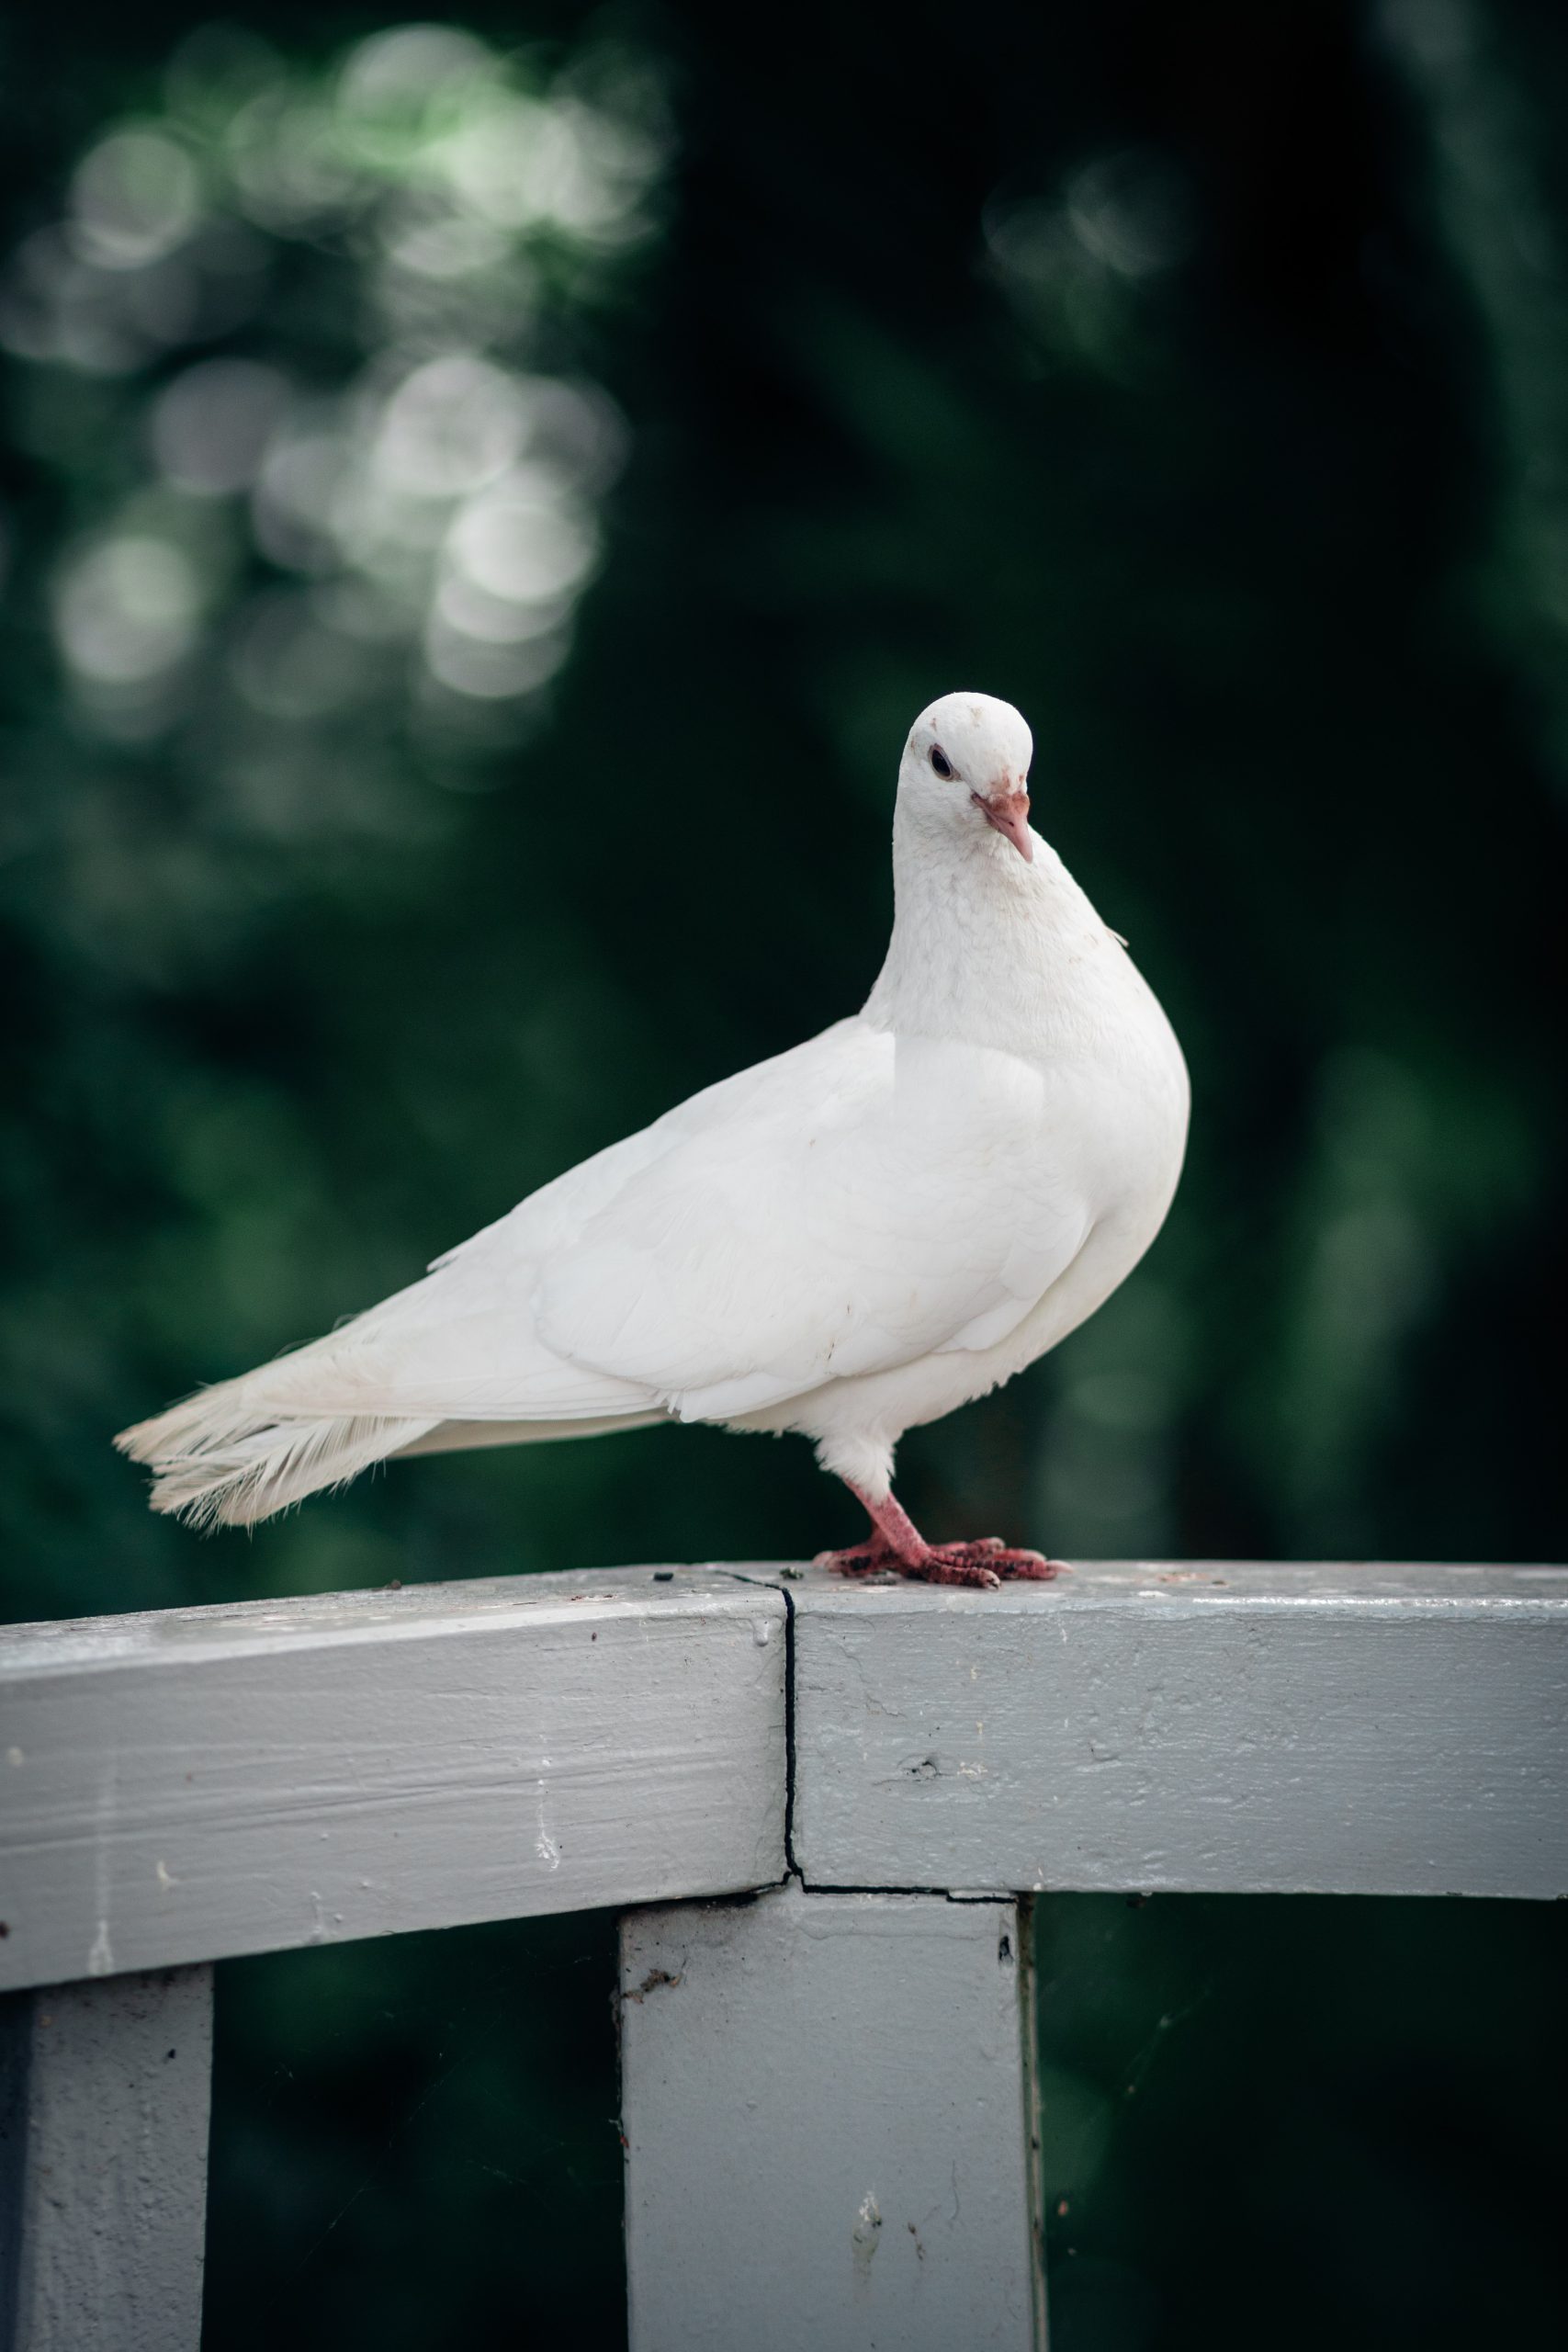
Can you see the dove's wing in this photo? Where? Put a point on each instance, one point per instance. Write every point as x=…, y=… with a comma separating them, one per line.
x=851, y=1206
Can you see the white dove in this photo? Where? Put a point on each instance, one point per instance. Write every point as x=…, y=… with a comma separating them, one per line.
x=848, y=1240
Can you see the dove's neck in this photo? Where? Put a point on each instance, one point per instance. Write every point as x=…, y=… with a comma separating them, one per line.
x=993, y=951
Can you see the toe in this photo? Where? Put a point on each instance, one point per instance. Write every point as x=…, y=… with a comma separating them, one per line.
x=1029, y=1568
x=958, y=1564
x=857, y=1561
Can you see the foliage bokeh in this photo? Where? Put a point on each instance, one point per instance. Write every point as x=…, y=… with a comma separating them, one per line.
x=475, y=535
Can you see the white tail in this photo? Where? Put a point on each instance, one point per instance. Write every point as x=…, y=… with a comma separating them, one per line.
x=452, y=1361
x=398, y=1379
x=222, y=1458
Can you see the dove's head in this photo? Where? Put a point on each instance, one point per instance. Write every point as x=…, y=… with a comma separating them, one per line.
x=965, y=770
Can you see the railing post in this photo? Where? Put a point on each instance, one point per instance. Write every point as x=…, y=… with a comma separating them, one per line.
x=827, y=2109
x=104, y=2087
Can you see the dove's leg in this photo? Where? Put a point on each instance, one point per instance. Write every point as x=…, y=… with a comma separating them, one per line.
x=897, y=1544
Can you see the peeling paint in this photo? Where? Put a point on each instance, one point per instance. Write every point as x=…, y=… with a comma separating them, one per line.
x=100, y=1960
x=544, y=1846
x=650, y=1984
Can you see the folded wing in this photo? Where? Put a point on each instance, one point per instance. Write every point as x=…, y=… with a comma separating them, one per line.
x=852, y=1205
x=867, y=1202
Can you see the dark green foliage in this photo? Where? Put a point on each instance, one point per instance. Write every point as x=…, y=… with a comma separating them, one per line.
x=1287, y=2119
x=1193, y=377
x=416, y=2145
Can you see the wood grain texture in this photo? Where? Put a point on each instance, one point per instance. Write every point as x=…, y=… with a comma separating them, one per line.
x=1209, y=1726
x=103, y=2164
x=825, y=2107
x=200, y=1783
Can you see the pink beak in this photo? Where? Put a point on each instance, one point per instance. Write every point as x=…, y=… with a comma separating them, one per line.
x=1009, y=812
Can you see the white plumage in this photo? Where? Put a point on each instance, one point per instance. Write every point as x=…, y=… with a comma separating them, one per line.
x=848, y=1240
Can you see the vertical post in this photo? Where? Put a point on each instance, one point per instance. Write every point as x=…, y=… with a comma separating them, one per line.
x=104, y=2087
x=827, y=2115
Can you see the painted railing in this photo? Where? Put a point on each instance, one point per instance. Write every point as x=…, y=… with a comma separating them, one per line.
x=823, y=1809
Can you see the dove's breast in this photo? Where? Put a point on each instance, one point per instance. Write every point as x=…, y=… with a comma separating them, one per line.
x=1117, y=1084
x=1118, y=1117
x=1101, y=1122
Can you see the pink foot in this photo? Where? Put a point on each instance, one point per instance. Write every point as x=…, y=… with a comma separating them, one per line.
x=869, y=1559
x=896, y=1546
x=985, y=1562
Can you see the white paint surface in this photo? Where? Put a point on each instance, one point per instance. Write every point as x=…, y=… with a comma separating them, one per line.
x=825, y=2105
x=207, y=1781
x=103, y=2096
x=1217, y=1725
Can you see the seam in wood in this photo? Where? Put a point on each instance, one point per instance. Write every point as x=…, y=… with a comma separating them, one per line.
x=770, y=1584
x=939, y=1893
x=790, y=1864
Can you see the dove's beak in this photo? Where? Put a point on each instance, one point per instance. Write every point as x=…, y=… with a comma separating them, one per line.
x=1009, y=812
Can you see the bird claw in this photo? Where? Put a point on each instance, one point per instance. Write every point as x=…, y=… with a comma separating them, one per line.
x=984, y=1564
x=861, y=1560
x=987, y=1562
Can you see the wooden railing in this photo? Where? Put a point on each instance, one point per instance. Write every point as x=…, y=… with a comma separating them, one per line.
x=885, y=1773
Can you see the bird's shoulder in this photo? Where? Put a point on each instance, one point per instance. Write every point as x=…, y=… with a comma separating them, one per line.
x=839, y=1065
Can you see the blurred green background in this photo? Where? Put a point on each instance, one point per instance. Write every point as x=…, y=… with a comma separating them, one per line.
x=479, y=509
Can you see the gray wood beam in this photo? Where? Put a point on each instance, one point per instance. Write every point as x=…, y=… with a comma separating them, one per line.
x=103, y=2098
x=1209, y=1725
x=199, y=1782
x=827, y=2117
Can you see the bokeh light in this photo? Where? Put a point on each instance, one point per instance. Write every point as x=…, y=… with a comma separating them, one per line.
x=463, y=205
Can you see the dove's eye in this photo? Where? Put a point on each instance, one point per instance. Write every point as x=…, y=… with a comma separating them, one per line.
x=939, y=760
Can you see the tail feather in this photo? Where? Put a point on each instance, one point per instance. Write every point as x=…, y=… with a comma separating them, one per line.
x=229, y=1467
x=426, y=1370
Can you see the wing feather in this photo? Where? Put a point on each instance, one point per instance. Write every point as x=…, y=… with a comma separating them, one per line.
x=851, y=1206
x=865, y=1201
